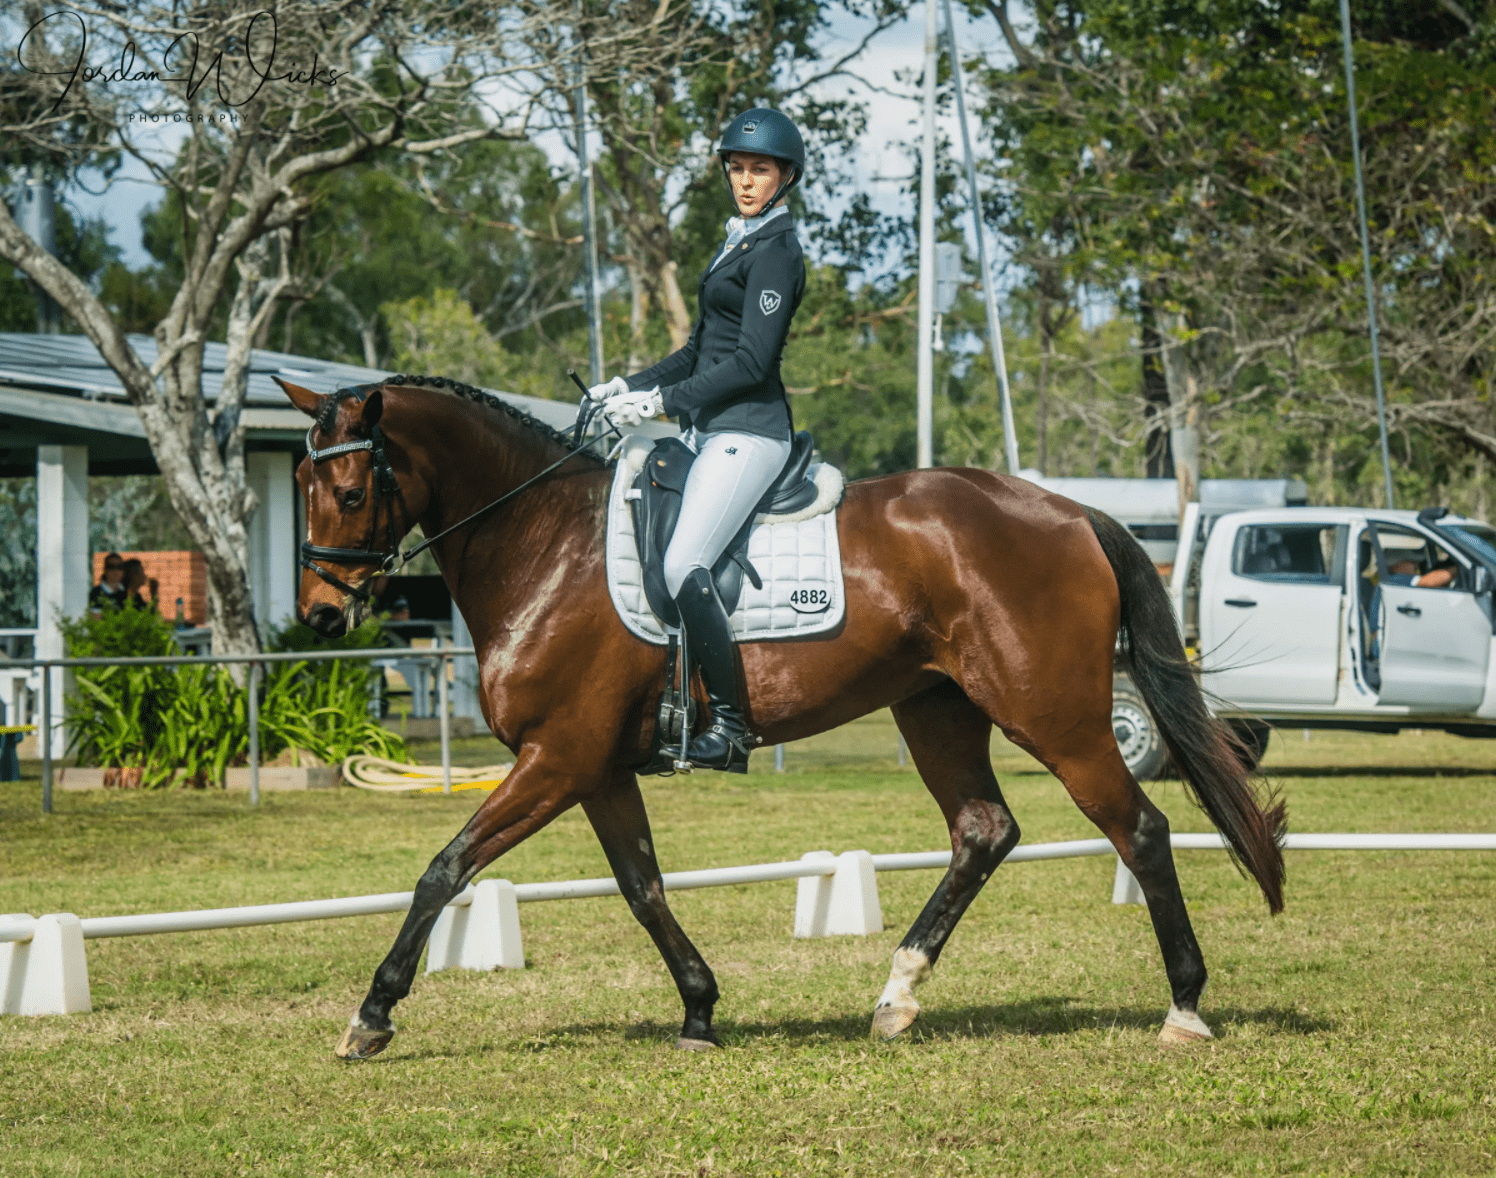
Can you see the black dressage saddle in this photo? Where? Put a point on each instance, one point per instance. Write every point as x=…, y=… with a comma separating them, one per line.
x=655, y=502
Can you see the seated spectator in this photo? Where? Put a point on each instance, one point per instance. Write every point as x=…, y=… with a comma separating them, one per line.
x=134, y=581
x=1405, y=572
x=110, y=592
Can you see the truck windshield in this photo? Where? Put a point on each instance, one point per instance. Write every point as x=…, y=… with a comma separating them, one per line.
x=1477, y=540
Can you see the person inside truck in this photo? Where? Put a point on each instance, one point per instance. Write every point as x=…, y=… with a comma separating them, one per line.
x=1400, y=571
x=1406, y=572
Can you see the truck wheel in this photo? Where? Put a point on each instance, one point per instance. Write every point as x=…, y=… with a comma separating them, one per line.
x=1253, y=735
x=1137, y=735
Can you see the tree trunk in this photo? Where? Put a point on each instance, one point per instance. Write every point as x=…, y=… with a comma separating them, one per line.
x=638, y=299
x=1184, y=417
x=1041, y=409
x=1157, y=457
x=677, y=318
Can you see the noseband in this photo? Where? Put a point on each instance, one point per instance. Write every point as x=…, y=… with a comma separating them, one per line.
x=386, y=486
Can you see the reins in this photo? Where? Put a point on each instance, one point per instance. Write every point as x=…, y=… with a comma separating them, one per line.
x=387, y=485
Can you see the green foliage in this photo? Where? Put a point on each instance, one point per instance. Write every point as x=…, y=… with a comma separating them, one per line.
x=18, y=556
x=1192, y=163
x=132, y=513
x=83, y=246
x=440, y=334
x=187, y=724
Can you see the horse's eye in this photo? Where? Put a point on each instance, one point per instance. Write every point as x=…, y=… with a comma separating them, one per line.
x=354, y=497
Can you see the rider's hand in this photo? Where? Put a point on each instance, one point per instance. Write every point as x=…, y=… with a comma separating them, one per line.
x=601, y=392
x=625, y=409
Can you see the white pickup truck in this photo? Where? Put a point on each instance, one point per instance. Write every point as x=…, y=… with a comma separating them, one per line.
x=1331, y=617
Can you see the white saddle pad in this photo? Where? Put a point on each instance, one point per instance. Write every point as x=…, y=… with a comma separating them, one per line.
x=796, y=555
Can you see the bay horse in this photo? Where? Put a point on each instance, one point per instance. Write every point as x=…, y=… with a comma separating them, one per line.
x=972, y=599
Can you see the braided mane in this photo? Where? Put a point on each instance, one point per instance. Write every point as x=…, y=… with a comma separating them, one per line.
x=468, y=392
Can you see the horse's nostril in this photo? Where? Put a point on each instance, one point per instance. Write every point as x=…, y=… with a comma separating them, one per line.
x=327, y=620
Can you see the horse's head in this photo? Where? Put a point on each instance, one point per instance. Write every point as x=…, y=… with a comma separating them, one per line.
x=358, y=507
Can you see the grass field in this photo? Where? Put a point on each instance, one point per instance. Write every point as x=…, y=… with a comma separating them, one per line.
x=1355, y=1032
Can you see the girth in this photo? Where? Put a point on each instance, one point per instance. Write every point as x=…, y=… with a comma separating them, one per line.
x=655, y=501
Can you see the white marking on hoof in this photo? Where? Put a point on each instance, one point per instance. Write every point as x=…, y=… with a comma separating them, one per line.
x=1182, y=1027
x=684, y=1044
x=896, y=1008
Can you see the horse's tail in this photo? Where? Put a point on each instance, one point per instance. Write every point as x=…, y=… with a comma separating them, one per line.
x=1206, y=752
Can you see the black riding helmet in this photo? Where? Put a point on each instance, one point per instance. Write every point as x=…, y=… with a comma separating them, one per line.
x=765, y=132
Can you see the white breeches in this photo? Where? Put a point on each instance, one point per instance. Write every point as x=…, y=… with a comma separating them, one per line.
x=730, y=475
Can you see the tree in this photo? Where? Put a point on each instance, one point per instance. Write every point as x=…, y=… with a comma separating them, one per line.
x=662, y=81
x=269, y=100
x=1198, y=160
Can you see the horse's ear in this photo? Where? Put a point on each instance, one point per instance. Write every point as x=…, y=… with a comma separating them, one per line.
x=372, y=409
x=307, y=401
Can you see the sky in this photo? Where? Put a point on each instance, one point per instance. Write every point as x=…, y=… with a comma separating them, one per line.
x=894, y=119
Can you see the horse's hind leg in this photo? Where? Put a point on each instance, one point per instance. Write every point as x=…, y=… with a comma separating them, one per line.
x=1091, y=767
x=622, y=826
x=948, y=737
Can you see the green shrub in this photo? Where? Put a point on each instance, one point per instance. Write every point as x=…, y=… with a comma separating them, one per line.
x=323, y=706
x=188, y=724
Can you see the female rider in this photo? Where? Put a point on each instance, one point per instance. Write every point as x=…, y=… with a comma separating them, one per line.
x=725, y=390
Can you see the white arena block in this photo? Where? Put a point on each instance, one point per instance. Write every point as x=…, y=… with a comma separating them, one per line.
x=855, y=910
x=49, y=973
x=482, y=935
x=1125, y=887
x=813, y=898
x=13, y=958
x=842, y=904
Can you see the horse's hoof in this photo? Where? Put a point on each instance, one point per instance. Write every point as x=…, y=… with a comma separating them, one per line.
x=684, y=1044
x=889, y=1022
x=1183, y=1027
x=362, y=1043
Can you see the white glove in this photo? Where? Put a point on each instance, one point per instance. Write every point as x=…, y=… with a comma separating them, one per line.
x=630, y=408
x=601, y=392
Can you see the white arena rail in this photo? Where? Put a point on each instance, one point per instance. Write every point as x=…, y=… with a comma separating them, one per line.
x=44, y=970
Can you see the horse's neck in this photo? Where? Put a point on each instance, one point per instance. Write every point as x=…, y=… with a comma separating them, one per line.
x=477, y=455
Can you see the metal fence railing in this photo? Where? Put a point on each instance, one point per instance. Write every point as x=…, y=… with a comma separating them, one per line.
x=255, y=662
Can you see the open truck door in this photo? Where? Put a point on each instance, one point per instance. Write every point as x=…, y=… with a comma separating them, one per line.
x=1429, y=646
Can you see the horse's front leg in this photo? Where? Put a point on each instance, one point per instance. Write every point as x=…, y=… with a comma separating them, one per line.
x=622, y=826
x=534, y=792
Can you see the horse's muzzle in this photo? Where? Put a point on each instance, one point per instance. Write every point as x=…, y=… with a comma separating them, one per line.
x=327, y=620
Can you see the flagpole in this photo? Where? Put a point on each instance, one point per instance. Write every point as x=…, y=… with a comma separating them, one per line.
x=924, y=405
x=994, y=326
x=1371, y=301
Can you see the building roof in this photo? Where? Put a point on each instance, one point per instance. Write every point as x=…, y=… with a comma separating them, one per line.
x=58, y=390
x=1156, y=501
x=71, y=365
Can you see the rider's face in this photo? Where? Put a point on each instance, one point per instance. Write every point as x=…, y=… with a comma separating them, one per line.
x=754, y=179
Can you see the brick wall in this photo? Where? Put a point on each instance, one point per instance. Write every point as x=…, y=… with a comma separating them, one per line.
x=181, y=574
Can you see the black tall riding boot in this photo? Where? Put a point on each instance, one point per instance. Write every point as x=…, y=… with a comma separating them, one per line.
x=725, y=745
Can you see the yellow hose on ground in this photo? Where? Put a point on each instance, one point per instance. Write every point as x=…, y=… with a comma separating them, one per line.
x=382, y=776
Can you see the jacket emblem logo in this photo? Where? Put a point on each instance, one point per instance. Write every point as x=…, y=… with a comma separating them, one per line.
x=768, y=301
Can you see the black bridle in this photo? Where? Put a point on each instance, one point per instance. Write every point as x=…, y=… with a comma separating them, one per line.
x=387, y=486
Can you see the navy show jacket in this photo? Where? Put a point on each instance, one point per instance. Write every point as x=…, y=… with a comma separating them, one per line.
x=726, y=378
